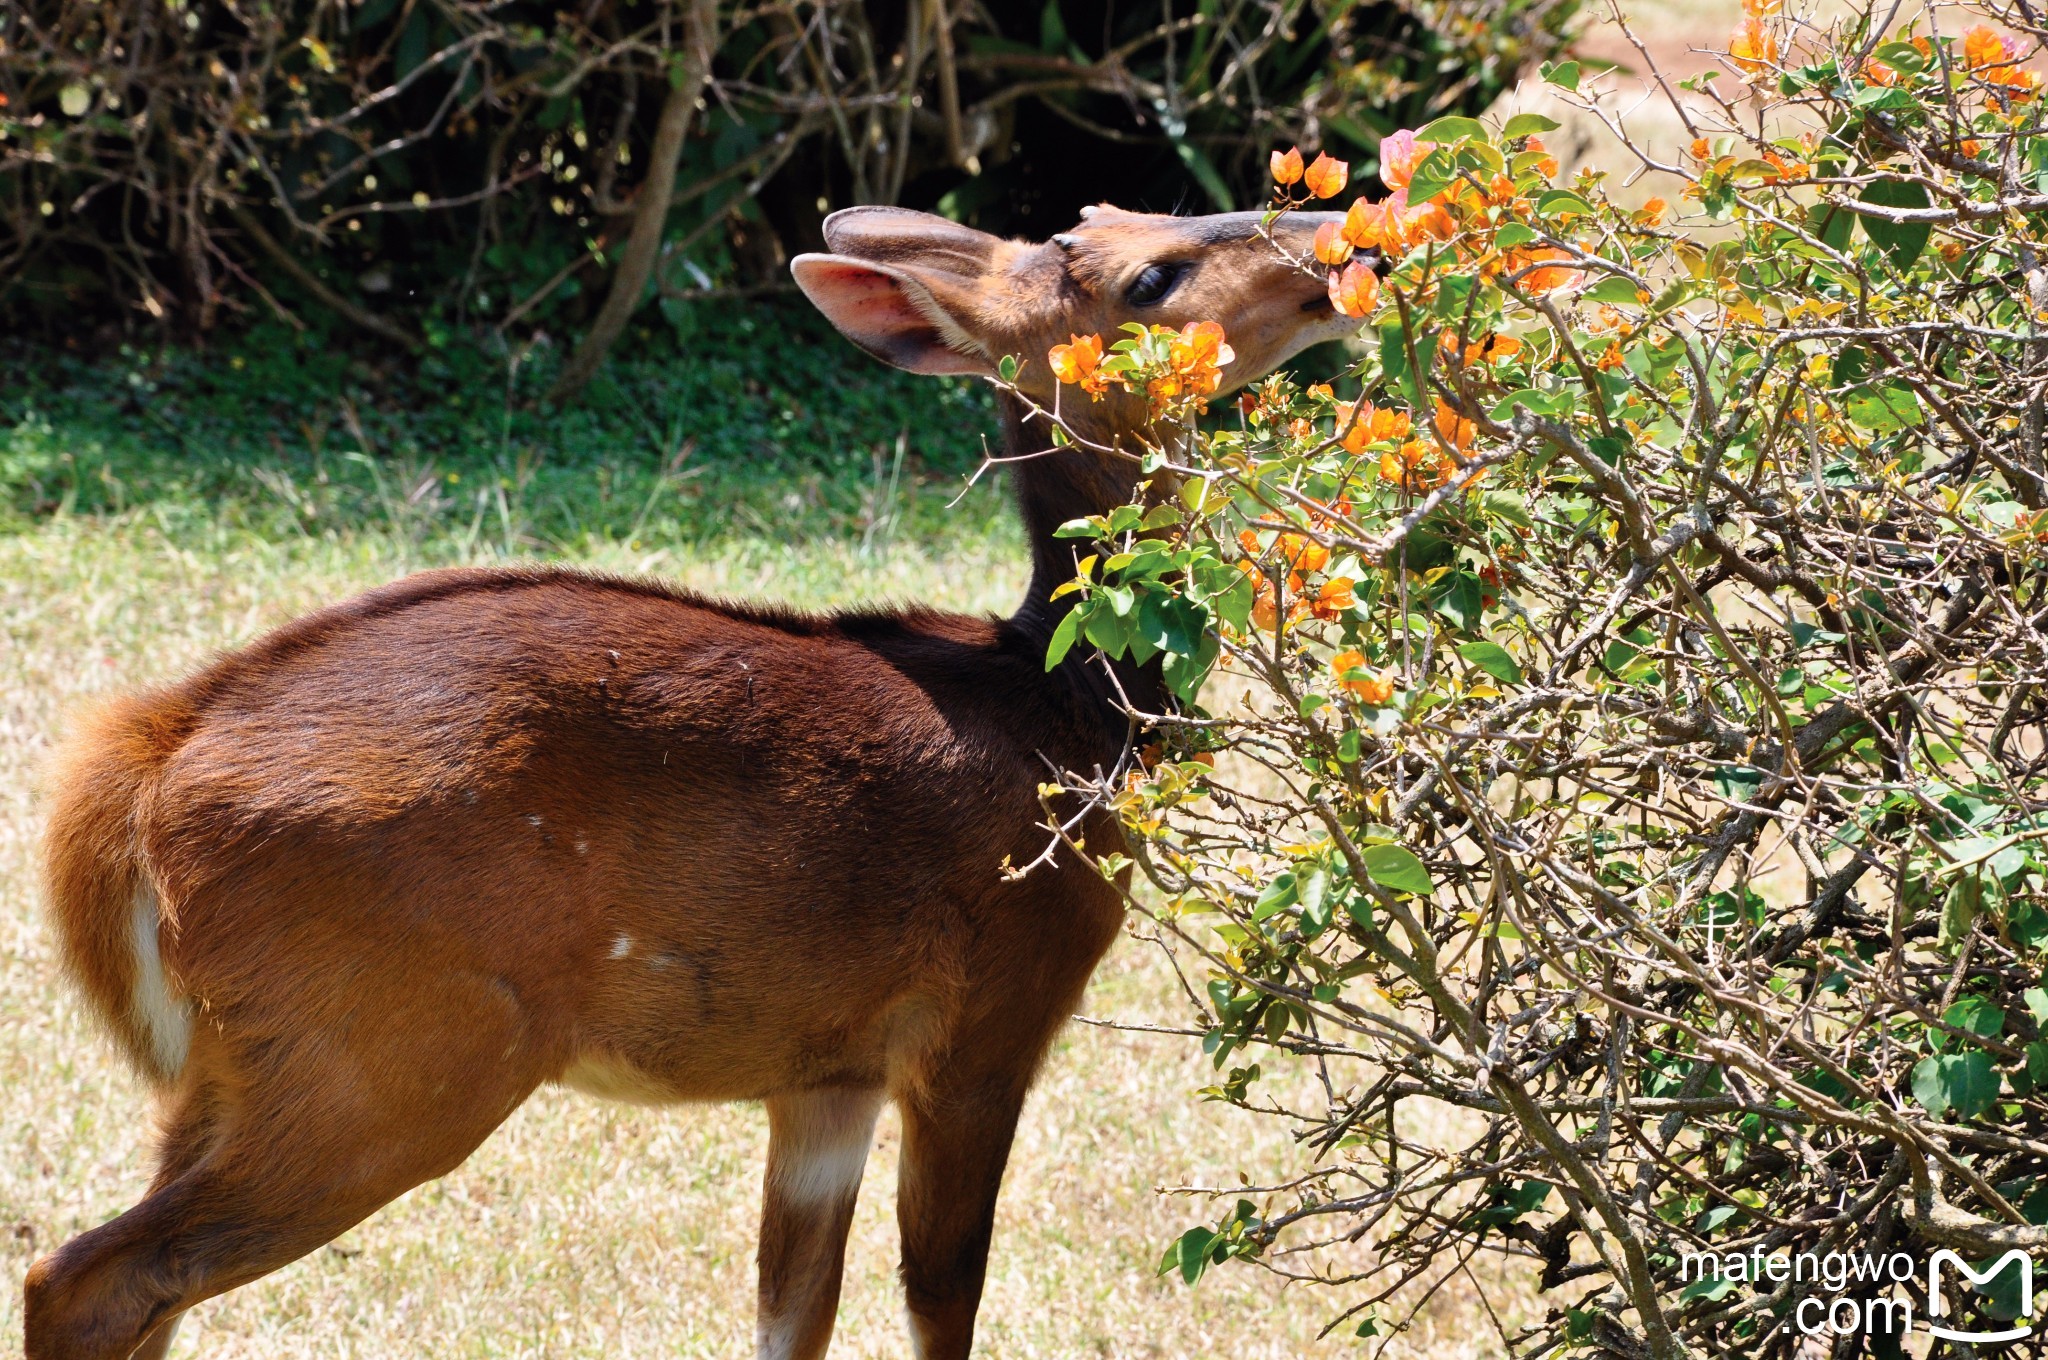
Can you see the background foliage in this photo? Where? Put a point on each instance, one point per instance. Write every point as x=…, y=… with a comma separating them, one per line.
x=411, y=165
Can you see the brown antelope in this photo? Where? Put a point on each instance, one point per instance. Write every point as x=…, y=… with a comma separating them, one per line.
x=348, y=895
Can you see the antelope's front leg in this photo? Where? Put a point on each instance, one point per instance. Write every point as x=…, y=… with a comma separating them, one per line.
x=817, y=1148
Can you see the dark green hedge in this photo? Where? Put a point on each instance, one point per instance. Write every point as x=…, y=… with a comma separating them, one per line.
x=407, y=165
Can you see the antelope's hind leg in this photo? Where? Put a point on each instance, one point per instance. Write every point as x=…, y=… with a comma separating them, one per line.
x=297, y=1141
x=817, y=1150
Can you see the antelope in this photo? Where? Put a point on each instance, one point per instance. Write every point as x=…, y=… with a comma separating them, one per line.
x=348, y=895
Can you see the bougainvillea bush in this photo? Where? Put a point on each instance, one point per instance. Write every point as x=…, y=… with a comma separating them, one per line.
x=1603, y=807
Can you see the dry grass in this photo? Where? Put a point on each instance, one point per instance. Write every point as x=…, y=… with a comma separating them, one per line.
x=582, y=1228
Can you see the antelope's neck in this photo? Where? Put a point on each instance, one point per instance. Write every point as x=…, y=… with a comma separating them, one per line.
x=1055, y=485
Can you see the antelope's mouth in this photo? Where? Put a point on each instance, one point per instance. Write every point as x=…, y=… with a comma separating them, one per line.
x=1320, y=303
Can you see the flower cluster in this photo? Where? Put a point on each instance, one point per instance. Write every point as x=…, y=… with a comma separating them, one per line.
x=1176, y=370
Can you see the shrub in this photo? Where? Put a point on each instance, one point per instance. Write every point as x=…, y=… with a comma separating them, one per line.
x=407, y=164
x=1608, y=797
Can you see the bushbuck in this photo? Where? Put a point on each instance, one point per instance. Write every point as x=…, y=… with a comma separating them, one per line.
x=348, y=895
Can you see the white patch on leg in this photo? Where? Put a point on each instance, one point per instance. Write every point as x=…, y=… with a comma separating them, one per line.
x=916, y=1338
x=165, y=1020
x=819, y=1145
x=775, y=1338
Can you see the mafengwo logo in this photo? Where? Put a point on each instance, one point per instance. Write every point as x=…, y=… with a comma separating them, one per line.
x=1852, y=1293
x=1937, y=1298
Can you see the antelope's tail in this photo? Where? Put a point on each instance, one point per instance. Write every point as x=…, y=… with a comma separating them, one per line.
x=102, y=903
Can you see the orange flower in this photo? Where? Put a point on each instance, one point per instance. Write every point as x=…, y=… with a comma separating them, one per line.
x=1400, y=153
x=1701, y=149
x=1613, y=358
x=1762, y=7
x=1301, y=553
x=1362, y=682
x=1266, y=608
x=1547, y=167
x=1652, y=213
x=1983, y=47
x=1287, y=166
x=1077, y=363
x=1354, y=291
x=1331, y=247
x=1782, y=169
x=1972, y=148
x=1201, y=344
x=1364, y=223
x=1321, y=392
x=1374, y=425
x=2020, y=84
x=1354, y=425
x=1430, y=222
x=1493, y=351
x=1456, y=429
x=1418, y=465
x=1543, y=279
x=1753, y=47
x=1333, y=597
x=1876, y=72
x=1325, y=178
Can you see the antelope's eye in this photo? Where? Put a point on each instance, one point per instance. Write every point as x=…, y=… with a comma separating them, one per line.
x=1154, y=282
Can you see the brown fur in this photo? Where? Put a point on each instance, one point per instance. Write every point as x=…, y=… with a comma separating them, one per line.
x=417, y=853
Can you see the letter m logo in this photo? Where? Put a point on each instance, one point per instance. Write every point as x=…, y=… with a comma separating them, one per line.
x=1937, y=1305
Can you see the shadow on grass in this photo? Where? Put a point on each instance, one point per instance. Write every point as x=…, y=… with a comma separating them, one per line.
x=758, y=422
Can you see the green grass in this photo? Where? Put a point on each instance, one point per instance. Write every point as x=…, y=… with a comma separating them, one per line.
x=157, y=508
x=763, y=426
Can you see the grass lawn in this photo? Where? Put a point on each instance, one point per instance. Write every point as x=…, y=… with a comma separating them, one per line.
x=154, y=510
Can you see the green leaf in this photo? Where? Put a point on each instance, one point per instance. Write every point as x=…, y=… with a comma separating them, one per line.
x=1613, y=289
x=1976, y=1015
x=1965, y=1083
x=1451, y=129
x=1564, y=75
x=1901, y=242
x=1007, y=366
x=1514, y=234
x=1492, y=658
x=1882, y=407
x=1189, y=1254
x=1438, y=171
x=2037, y=1003
x=1539, y=403
x=1609, y=448
x=1718, y=1287
x=1563, y=200
x=1901, y=57
x=1528, y=125
x=1063, y=638
x=1396, y=869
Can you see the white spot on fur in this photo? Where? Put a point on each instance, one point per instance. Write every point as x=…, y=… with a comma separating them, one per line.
x=622, y=946
x=165, y=1020
x=819, y=1144
x=582, y=846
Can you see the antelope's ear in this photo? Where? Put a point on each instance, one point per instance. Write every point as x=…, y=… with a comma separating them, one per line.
x=885, y=235
x=894, y=314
